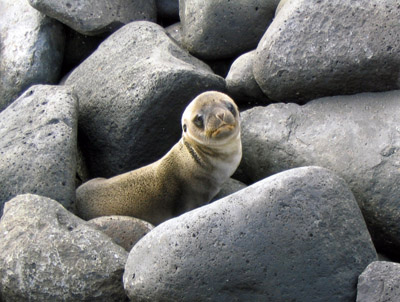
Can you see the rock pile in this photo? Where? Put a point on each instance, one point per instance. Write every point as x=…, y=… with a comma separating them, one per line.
x=320, y=171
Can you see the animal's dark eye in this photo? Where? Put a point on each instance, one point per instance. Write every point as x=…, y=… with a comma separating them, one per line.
x=231, y=108
x=184, y=128
x=198, y=121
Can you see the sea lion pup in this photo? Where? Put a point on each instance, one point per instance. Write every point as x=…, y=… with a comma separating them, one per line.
x=188, y=176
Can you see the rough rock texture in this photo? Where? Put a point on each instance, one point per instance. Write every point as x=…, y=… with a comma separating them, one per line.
x=380, y=282
x=48, y=254
x=31, y=49
x=323, y=48
x=356, y=136
x=222, y=29
x=125, y=231
x=296, y=236
x=96, y=17
x=241, y=84
x=132, y=91
x=38, y=138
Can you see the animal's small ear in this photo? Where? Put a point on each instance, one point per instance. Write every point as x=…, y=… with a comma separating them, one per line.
x=184, y=128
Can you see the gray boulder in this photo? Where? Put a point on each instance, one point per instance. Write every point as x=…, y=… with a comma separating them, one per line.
x=132, y=92
x=229, y=187
x=38, y=139
x=240, y=82
x=356, y=136
x=97, y=17
x=380, y=282
x=48, y=254
x=222, y=29
x=314, y=49
x=168, y=9
x=296, y=236
x=124, y=231
x=31, y=49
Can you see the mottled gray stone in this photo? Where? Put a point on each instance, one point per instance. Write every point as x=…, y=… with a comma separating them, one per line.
x=222, y=29
x=380, y=282
x=240, y=82
x=48, y=254
x=174, y=31
x=314, y=49
x=38, y=139
x=124, y=231
x=132, y=92
x=31, y=49
x=356, y=136
x=96, y=17
x=296, y=236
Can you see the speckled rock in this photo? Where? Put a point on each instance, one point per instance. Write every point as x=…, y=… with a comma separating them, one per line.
x=125, y=231
x=223, y=29
x=380, y=282
x=132, y=92
x=38, y=139
x=31, y=49
x=96, y=17
x=48, y=254
x=296, y=236
x=356, y=136
x=314, y=49
x=241, y=84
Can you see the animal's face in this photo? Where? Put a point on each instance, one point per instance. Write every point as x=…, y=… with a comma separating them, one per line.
x=212, y=118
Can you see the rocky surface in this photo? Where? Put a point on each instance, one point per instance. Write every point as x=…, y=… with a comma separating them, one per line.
x=48, y=254
x=31, y=49
x=298, y=235
x=38, y=140
x=97, y=17
x=132, y=91
x=315, y=49
x=222, y=29
x=379, y=282
x=124, y=231
x=355, y=136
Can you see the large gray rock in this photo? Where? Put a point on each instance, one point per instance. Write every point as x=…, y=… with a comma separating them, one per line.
x=132, y=91
x=96, y=17
x=380, y=282
x=38, y=139
x=356, y=136
x=222, y=29
x=240, y=82
x=297, y=236
x=31, y=49
x=323, y=48
x=48, y=254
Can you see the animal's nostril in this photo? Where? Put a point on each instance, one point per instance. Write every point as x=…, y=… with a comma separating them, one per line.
x=221, y=116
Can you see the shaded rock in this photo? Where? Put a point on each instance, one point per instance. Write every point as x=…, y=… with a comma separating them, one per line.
x=38, y=135
x=356, y=136
x=222, y=29
x=97, y=17
x=241, y=84
x=379, y=282
x=298, y=235
x=168, y=9
x=31, y=49
x=48, y=254
x=329, y=48
x=174, y=31
x=125, y=231
x=78, y=47
x=132, y=91
x=229, y=187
